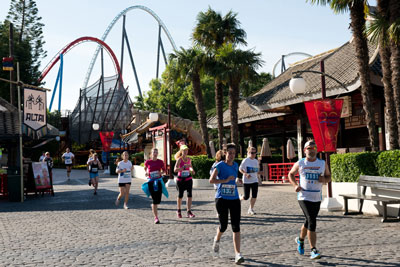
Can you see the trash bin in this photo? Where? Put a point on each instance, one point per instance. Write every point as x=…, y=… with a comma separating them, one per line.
x=112, y=164
x=15, y=194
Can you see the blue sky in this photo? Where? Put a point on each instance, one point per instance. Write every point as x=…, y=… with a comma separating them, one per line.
x=273, y=28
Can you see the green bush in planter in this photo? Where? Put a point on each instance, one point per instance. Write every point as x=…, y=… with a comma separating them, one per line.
x=388, y=163
x=348, y=167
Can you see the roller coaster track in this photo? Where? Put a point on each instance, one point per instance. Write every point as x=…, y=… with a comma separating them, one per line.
x=111, y=25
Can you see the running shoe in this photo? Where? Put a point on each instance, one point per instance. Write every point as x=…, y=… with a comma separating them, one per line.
x=190, y=214
x=156, y=220
x=239, y=259
x=117, y=202
x=251, y=212
x=300, y=246
x=241, y=197
x=179, y=214
x=126, y=207
x=216, y=246
x=90, y=182
x=94, y=193
x=315, y=254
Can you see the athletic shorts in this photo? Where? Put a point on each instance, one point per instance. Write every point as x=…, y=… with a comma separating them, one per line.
x=93, y=175
x=68, y=165
x=123, y=184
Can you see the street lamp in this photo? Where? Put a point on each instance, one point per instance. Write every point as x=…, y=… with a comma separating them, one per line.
x=95, y=126
x=299, y=87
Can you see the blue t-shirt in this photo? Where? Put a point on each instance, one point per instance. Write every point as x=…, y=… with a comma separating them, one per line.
x=227, y=190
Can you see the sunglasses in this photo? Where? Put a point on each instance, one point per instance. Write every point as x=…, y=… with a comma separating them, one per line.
x=311, y=148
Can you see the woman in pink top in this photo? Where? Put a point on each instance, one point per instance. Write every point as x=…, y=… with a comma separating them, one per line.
x=154, y=169
x=184, y=182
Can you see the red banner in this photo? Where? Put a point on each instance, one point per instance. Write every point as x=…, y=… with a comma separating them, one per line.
x=106, y=140
x=324, y=118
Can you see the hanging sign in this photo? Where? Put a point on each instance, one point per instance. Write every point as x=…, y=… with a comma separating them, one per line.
x=324, y=118
x=34, y=108
x=106, y=140
x=8, y=63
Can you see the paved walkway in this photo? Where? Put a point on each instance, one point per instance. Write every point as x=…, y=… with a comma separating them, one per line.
x=77, y=228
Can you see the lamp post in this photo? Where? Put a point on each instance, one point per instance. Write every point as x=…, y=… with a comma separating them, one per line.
x=299, y=86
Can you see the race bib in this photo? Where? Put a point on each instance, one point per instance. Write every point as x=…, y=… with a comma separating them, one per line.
x=127, y=174
x=94, y=169
x=228, y=190
x=252, y=169
x=155, y=175
x=185, y=174
x=68, y=160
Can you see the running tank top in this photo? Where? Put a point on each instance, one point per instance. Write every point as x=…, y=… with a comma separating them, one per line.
x=185, y=173
x=309, y=172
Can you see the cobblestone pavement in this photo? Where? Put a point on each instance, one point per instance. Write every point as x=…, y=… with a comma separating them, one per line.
x=76, y=227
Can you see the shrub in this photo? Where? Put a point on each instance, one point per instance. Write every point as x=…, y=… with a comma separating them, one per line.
x=388, y=163
x=348, y=167
x=137, y=158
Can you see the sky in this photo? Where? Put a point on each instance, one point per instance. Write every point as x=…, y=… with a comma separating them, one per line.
x=274, y=28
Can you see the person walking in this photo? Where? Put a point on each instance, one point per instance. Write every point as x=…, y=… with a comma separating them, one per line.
x=154, y=186
x=250, y=167
x=49, y=162
x=184, y=168
x=227, y=199
x=94, y=165
x=313, y=174
x=68, y=158
x=124, y=171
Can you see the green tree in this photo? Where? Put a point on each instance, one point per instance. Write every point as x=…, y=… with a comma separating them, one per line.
x=358, y=9
x=239, y=65
x=211, y=32
x=249, y=87
x=24, y=15
x=190, y=67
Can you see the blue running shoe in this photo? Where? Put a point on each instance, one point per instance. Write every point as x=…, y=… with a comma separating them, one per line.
x=300, y=246
x=315, y=254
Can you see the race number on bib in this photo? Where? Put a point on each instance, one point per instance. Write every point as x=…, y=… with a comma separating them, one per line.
x=185, y=174
x=155, y=175
x=94, y=169
x=127, y=174
x=228, y=190
x=68, y=160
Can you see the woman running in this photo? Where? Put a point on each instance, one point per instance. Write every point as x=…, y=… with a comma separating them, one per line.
x=154, y=186
x=227, y=199
x=68, y=157
x=94, y=165
x=184, y=183
x=124, y=171
x=250, y=168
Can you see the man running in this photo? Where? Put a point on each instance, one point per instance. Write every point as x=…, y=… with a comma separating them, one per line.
x=68, y=157
x=313, y=174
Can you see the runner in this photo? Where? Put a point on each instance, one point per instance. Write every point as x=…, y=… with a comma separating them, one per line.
x=184, y=182
x=68, y=157
x=250, y=168
x=94, y=165
x=91, y=152
x=219, y=156
x=124, y=171
x=154, y=186
x=227, y=200
x=313, y=173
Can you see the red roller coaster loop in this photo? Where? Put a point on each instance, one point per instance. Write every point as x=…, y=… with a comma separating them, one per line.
x=74, y=43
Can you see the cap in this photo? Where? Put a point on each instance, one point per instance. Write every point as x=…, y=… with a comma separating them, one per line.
x=183, y=147
x=309, y=143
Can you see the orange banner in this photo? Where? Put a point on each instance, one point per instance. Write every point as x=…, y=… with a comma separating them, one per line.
x=324, y=118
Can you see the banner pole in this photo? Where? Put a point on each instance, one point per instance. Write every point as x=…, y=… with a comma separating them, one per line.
x=21, y=163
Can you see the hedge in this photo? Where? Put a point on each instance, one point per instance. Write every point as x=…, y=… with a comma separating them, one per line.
x=348, y=167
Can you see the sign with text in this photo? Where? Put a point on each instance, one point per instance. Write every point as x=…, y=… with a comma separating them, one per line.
x=34, y=108
x=324, y=118
x=106, y=140
x=41, y=175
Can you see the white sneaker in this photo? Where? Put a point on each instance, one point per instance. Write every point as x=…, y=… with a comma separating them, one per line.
x=251, y=212
x=117, y=202
x=216, y=246
x=240, y=197
x=126, y=207
x=239, y=259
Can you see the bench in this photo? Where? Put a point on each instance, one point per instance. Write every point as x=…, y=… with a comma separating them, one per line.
x=374, y=182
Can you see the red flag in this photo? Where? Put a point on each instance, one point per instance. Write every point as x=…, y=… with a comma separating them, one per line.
x=324, y=118
x=106, y=140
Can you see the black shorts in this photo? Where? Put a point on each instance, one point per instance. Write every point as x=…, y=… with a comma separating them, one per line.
x=123, y=184
x=254, y=190
x=68, y=165
x=155, y=195
x=310, y=210
x=183, y=186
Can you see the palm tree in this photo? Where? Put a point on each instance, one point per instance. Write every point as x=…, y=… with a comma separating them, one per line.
x=357, y=15
x=378, y=31
x=190, y=66
x=212, y=31
x=394, y=32
x=238, y=65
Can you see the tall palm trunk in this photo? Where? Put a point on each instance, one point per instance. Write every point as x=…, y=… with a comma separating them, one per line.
x=358, y=24
x=233, y=108
x=201, y=113
x=219, y=98
x=384, y=52
x=395, y=64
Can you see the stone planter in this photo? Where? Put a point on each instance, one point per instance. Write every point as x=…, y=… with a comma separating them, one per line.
x=369, y=207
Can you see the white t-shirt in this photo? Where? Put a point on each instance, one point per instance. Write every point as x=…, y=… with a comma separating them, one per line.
x=124, y=177
x=68, y=157
x=309, y=172
x=250, y=166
